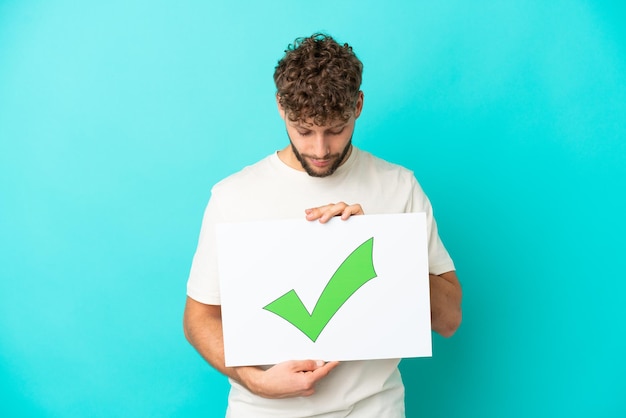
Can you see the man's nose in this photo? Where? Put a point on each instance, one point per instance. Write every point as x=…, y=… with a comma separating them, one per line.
x=321, y=148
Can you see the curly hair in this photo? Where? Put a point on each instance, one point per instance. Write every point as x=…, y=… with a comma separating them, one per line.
x=318, y=79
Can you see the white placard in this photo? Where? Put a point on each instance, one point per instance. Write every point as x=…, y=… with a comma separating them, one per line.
x=386, y=315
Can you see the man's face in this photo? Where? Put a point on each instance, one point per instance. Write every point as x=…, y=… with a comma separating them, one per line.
x=320, y=150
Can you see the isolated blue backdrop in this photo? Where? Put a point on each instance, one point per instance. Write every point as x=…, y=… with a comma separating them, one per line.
x=117, y=117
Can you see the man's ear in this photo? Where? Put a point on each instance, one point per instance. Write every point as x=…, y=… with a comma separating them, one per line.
x=281, y=110
x=359, y=105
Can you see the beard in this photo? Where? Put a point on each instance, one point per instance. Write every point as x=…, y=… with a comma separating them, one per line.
x=338, y=159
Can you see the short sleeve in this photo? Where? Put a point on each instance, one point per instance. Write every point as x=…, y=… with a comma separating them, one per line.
x=439, y=261
x=203, y=283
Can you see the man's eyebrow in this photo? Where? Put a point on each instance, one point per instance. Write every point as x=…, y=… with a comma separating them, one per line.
x=301, y=124
x=305, y=125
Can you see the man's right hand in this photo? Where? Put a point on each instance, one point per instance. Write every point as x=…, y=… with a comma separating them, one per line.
x=285, y=380
x=203, y=329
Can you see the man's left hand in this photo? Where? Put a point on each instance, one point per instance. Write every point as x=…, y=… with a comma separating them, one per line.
x=325, y=213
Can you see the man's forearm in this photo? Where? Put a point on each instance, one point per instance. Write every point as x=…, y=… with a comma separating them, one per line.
x=445, y=303
x=203, y=329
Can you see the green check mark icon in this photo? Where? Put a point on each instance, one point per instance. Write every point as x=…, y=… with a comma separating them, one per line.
x=356, y=270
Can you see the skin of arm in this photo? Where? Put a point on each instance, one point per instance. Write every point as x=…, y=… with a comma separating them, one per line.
x=445, y=303
x=202, y=325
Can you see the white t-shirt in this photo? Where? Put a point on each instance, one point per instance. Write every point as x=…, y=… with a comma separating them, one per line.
x=271, y=190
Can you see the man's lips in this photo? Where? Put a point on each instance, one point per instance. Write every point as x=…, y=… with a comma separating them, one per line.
x=320, y=162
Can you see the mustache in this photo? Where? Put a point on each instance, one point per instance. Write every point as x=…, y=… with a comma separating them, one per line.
x=324, y=158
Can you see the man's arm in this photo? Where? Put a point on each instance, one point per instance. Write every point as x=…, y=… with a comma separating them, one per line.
x=445, y=303
x=203, y=329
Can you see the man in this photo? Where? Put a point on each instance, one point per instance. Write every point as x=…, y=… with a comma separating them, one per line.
x=318, y=96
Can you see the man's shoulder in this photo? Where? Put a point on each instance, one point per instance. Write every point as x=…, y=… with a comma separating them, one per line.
x=369, y=161
x=247, y=176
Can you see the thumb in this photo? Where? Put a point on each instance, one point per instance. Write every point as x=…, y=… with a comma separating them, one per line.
x=308, y=365
x=325, y=369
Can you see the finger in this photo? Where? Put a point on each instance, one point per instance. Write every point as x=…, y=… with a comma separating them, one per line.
x=306, y=365
x=312, y=214
x=323, y=371
x=315, y=213
x=355, y=209
x=332, y=211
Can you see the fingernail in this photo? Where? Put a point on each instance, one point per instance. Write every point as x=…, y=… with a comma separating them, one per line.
x=319, y=363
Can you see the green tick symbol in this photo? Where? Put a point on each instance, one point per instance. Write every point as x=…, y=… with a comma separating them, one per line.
x=356, y=270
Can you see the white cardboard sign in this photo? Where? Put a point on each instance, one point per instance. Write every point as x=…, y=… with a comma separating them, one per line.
x=344, y=290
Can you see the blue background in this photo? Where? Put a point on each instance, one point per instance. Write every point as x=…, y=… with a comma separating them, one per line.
x=117, y=117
